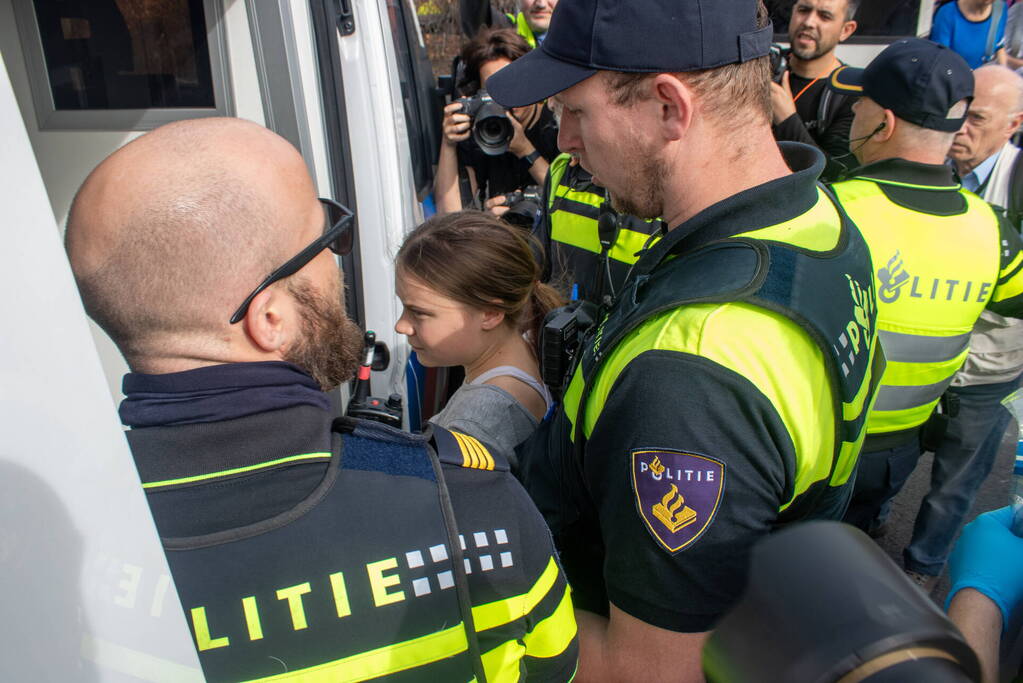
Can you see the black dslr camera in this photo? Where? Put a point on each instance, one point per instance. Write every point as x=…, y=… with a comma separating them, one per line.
x=491, y=129
x=563, y=330
x=523, y=206
x=779, y=61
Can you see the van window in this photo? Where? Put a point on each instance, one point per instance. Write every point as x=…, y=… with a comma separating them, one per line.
x=92, y=56
x=877, y=20
x=418, y=92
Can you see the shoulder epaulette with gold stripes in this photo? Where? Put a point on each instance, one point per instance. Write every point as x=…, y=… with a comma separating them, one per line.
x=455, y=448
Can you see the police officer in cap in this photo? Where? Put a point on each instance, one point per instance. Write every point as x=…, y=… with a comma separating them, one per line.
x=299, y=545
x=941, y=255
x=716, y=401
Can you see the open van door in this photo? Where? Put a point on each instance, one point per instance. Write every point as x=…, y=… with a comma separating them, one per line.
x=86, y=591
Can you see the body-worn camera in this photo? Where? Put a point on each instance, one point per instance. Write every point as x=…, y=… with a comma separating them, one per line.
x=523, y=206
x=564, y=329
x=779, y=61
x=491, y=129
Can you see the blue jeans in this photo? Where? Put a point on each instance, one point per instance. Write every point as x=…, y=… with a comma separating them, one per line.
x=961, y=463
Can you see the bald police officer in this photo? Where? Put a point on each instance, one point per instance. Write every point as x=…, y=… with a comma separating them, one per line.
x=299, y=545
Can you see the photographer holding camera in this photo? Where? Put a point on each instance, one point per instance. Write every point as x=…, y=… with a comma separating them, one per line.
x=803, y=109
x=501, y=151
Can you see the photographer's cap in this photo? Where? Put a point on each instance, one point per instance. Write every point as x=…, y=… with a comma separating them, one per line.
x=633, y=36
x=919, y=81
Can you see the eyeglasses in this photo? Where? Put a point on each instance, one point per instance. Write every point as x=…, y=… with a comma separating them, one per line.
x=337, y=236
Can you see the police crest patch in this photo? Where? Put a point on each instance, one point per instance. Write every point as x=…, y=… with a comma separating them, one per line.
x=677, y=494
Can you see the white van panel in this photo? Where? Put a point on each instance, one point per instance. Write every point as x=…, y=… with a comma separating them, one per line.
x=241, y=63
x=87, y=594
x=309, y=70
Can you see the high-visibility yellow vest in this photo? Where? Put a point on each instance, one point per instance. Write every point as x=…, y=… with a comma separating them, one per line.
x=523, y=28
x=826, y=444
x=934, y=275
x=573, y=209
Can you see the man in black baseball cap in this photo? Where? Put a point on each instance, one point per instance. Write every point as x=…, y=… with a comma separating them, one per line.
x=941, y=256
x=710, y=406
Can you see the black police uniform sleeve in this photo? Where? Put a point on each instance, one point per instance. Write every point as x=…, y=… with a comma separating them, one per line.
x=833, y=140
x=1007, y=297
x=676, y=401
x=793, y=129
x=519, y=592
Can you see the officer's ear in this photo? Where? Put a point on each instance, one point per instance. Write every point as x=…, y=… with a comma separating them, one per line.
x=676, y=105
x=269, y=320
x=886, y=129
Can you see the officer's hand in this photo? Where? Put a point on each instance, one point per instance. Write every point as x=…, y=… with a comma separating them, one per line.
x=496, y=205
x=989, y=558
x=782, y=104
x=456, y=124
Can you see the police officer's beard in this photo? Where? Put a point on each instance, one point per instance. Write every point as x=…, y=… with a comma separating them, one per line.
x=330, y=347
x=646, y=189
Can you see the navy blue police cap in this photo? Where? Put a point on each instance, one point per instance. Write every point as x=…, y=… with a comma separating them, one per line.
x=632, y=36
x=919, y=81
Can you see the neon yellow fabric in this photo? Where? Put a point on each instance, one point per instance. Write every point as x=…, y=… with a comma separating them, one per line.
x=784, y=364
x=934, y=275
x=305, y=457
x=581, y=231
x=523, y=29
x=384, y=660
x=548, y=638
x=808, y=231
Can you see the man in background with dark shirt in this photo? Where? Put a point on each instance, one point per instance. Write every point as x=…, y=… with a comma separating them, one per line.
x=803, y=108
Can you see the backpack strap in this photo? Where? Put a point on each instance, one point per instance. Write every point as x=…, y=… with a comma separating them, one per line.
x=420, y=449
x=992, y=32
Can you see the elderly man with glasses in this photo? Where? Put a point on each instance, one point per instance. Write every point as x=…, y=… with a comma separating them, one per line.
x=299, y=541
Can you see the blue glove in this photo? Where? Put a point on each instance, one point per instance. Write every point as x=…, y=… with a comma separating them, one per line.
x=989, y=558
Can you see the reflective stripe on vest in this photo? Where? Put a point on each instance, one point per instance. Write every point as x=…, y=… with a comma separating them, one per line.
x=934, y=275
x=573, y=217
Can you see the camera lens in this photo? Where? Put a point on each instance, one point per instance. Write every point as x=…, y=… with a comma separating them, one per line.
x=492, y=130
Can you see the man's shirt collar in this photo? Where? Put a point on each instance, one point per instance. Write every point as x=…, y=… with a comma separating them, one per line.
x=216, y=393
x=978, y=177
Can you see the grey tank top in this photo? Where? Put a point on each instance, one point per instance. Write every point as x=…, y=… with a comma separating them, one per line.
x=490, y=413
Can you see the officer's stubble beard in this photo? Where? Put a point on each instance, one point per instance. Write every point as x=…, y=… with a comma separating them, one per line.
x=330, y=346
x=646, y=176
